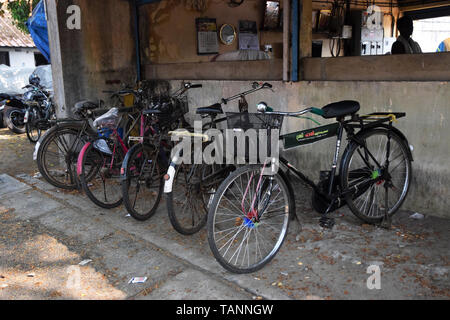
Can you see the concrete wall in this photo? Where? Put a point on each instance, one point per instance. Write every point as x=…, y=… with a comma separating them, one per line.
x=426, y=125
x=417, y=67
x=101, y=53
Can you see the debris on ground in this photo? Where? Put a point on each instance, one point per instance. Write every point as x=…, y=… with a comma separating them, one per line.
x=417, y=216
x=37, y=175
x=138, y=280
x=85, y=262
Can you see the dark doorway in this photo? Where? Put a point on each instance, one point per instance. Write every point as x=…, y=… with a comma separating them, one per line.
x=40, y=59
x=4, y=58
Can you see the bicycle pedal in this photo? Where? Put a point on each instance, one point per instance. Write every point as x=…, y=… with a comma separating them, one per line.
x=326, y=222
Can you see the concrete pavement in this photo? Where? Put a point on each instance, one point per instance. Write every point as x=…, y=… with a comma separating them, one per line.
x=45, y=233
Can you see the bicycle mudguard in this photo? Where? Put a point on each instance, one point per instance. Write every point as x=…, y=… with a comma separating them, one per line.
x=80, y=158
x=168, y=184
x=123, y=170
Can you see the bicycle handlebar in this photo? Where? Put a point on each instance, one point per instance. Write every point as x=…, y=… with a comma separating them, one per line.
x=255, y=87
x=263, y=108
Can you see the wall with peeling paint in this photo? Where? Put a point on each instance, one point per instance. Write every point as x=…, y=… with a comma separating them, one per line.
x=426, y=125
x=103, y=50
x=169, y=33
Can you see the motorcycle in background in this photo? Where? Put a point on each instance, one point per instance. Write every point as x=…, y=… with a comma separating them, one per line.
x=40, y=110
x=13, y=114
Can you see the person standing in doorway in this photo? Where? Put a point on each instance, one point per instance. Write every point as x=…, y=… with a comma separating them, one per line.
x=404, y=43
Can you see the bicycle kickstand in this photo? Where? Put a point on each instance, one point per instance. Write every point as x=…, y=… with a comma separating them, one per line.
x=325, y=221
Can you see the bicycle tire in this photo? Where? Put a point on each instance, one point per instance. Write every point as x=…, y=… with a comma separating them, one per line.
x=188, y=196
x=12, y=125
x=70, y=128
x=93, y=177
x=242, y=222
x=349, y=160
x=133, y=160
x=29, y=127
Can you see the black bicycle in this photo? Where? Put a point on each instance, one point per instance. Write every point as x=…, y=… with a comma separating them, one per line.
x=147, y=161
x=249, y=216
x=58, y=149
x=189, y=186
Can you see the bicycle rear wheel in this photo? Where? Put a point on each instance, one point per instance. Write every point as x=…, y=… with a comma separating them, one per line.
x=188, y=202
x=370, y=176
x=248, y=219
x=100, y=175
x=142, y=185
x=58, y=153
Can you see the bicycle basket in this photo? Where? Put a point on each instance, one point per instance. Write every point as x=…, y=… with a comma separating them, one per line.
x=257, y=121
x=245, y=121
x=109, y=120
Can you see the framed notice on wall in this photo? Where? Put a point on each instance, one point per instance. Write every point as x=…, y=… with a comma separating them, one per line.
x=207, y=42
x=248, y=35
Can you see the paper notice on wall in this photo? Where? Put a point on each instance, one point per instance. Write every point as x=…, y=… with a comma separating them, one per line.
x=248, y=35
x=207, y=42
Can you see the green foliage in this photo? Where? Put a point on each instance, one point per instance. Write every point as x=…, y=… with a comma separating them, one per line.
x=21, y=11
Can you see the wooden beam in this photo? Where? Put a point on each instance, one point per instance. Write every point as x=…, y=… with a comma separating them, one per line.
x=305, y=28
x=305, y=34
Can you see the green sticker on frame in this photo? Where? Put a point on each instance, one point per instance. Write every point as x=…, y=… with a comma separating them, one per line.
x=303, y=137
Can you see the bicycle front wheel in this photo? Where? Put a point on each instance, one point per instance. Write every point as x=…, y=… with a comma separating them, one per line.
x=33, y=132
x=248, y=219
x=375, y=183
x=142, y=185
x=100, y=175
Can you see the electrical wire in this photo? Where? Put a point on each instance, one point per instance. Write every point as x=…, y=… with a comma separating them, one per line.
x=337, y=15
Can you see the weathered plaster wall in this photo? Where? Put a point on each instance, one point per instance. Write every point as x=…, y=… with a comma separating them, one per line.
x=426, y=125
x=169, y=33
x=102, y=51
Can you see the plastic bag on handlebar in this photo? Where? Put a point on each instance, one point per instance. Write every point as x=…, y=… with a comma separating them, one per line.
x=109, y=120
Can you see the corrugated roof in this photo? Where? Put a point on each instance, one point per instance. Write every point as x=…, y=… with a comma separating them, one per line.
x=11, y=36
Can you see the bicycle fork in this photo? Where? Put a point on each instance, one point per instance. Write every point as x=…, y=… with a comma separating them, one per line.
x=253, y=216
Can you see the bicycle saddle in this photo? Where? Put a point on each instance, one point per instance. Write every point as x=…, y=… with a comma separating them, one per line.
x=213, y=109
x=341, y=108
x=85, y=105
